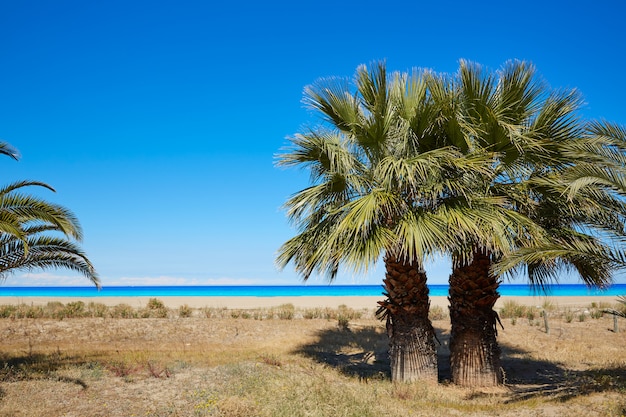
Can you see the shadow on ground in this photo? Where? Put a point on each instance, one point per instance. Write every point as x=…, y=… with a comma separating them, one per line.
x=528, y=378
x=359, y=352
x=363, y=353
x=37, y=366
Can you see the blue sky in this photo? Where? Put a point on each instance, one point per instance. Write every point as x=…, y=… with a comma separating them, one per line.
x=158, y=121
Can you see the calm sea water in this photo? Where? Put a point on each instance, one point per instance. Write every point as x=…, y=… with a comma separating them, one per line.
x=288, y=290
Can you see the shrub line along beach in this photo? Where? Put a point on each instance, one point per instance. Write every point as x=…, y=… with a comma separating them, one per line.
x=243, y=302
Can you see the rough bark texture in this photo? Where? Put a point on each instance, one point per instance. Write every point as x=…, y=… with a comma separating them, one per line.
x=412, y=348
x=474, y=350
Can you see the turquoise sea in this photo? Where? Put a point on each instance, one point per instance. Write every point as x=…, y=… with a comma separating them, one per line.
x=286, y=290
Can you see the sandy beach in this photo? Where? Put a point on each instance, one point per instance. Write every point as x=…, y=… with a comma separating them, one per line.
x=356, y=302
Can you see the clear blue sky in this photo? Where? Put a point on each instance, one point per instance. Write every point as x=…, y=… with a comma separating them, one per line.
x=158, y=121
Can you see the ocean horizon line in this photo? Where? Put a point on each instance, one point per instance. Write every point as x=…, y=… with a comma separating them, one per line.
x=291, y=290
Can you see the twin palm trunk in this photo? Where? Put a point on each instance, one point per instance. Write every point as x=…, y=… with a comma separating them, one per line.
x=474, y=350
x=412, y=348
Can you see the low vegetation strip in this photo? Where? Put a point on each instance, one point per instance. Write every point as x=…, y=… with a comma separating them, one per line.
x=78, y=359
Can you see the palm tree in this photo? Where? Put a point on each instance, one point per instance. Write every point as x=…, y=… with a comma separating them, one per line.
x=384, y=186
x=37, y=234
x=351, y=213
x=537, y=138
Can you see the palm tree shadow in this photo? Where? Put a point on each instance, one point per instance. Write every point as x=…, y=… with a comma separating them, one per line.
x=358, y=352
x=528, y=378
x=363, y=353
x=37, y=366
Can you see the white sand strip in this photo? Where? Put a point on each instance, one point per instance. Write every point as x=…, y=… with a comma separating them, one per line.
x=356, y=302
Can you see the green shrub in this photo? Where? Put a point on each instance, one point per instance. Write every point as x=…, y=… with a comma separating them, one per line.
x=437, y=313
x=212, y=312
x=511, y=309
x=123, y=311
x=596, y=314
x=155, y=304
x=74, y=309
x=185, y=311
x=30, y=312
x=54, y=309
x=96, y=309
x=319, y=313
x=343, y=322
x=156, y=309
x=7, y=311
x=349, y=313
x=286, y=312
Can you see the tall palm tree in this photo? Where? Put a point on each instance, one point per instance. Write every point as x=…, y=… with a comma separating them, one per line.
x=581, y=204
x=532, y=132
x=37, y=234
x=351, y=212
x=384, y=186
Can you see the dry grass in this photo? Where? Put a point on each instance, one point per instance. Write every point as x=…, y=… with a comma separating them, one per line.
x=290, y=362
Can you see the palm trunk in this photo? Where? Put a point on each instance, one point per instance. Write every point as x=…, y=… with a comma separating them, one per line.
x=474, y=350
x=412, y=348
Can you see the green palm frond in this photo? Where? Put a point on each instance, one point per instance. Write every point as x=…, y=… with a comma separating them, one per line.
x=412, y=164
x=44, y=252
x=7, y=189
x=333, y=99
x=592, y=259
x=23, y=208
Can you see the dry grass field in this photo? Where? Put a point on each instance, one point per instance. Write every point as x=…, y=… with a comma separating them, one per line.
x=79, y=360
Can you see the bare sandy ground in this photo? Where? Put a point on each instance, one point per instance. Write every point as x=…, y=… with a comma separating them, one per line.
x=356, y=302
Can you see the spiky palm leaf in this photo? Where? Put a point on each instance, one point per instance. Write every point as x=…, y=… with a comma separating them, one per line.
x=26, y=220
x=44, y=252
x=19, y=208
x=529, y=129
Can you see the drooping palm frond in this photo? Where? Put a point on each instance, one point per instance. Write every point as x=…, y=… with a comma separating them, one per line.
x=44, y=252
x=19, y=208
x=25, y=223
x=592, y=260
x=8, y=150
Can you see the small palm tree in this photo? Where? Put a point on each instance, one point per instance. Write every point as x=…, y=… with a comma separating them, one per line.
x=36, y=234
